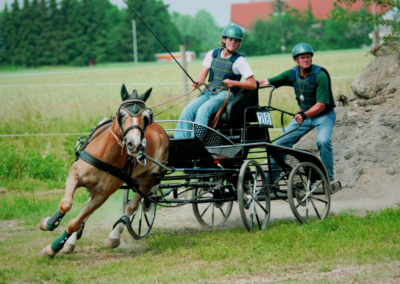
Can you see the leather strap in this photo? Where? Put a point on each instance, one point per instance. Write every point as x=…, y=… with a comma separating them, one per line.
x=119, y=173
x=218, y=115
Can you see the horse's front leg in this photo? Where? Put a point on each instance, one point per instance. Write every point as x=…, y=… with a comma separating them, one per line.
x=51, y=223
x=114, y=238
x=73, y=226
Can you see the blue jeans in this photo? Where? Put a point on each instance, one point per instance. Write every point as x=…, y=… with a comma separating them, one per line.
x=324, y=124
x=199, y=110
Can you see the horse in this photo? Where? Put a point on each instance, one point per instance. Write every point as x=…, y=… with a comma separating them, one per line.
x=131, y=133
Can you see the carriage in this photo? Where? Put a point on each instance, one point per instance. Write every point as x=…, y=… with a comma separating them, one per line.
x=211, y=170
x=215, y=168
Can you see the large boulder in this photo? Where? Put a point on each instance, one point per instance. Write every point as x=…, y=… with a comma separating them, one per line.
x=380, y=80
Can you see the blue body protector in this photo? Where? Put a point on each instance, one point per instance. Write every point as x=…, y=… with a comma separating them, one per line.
x=305, y=89
x=221, y=68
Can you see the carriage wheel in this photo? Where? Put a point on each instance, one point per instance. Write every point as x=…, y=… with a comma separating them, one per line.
x=253, y=196
x=308, y=192
x=211, y=214
x=141, y=222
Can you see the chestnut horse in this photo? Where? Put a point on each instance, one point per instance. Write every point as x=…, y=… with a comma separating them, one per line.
x=131, y=127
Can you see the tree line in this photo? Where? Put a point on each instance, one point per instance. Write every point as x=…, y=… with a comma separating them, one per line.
x=287, y=27
x=75, y=32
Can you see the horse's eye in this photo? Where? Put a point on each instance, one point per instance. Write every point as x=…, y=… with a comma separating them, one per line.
x=123, y=114
x=147, y=119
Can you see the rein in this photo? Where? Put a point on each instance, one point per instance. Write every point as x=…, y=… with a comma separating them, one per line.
x=171, y=100
x=120, y=143
x=180, y=96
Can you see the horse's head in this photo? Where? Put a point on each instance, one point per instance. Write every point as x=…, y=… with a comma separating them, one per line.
x=133, y=118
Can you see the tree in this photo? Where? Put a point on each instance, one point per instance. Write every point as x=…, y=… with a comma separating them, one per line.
x=266, y=37
x=30, y=32
x=155, y=14
x=393, y=24
x=4, y=45
x=280, y=9
x=54, y=36
x=200, y=33
x=14, y=32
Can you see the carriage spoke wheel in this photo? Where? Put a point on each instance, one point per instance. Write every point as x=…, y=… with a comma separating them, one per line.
x=308, y=192
x=253, y=196
x=214, y=213
x=141, y=222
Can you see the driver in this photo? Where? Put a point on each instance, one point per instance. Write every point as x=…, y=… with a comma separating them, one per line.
x=225, y=66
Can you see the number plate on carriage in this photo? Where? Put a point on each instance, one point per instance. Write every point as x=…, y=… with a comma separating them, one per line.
x=264, y=118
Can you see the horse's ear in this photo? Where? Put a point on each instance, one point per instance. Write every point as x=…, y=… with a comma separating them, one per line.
x=124, y=93
x=146, y=95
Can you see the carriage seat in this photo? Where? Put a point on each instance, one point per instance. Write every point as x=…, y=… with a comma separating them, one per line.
x=233, y=114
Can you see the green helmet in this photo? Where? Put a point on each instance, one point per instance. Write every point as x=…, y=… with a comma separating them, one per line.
x=302, y=48
x=233, y=31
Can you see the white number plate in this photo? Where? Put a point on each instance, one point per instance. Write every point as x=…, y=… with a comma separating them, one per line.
x=264, y=118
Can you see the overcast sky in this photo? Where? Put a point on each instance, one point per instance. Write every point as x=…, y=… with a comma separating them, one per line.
x=220, y=9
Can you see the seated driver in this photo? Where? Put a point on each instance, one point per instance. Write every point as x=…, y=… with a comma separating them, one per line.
x=226, y=67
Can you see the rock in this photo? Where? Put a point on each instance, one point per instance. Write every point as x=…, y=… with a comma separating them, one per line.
x=380, y=78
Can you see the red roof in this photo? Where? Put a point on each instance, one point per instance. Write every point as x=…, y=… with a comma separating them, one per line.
x=244, y=14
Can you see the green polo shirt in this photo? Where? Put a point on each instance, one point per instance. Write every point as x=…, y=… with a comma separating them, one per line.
x=322, y=84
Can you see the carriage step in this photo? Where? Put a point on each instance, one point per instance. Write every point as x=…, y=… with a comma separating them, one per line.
x=336, y=186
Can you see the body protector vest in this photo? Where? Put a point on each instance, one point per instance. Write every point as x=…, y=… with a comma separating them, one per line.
x=221, y=69
x=305, y=89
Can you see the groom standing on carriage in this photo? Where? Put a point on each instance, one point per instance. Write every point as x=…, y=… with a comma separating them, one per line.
x=225, y=66
x=313, y=90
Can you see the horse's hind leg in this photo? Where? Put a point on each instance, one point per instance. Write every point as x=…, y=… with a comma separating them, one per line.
x=114, y=238
x=73, y=226
x=51, y=223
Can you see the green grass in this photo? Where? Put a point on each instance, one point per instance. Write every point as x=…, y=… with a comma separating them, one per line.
x=187, y=255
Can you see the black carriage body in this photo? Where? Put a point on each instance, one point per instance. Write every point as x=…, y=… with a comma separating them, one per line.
x=189, y=153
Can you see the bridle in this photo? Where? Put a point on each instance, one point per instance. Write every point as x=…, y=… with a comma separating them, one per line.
x=135, y=108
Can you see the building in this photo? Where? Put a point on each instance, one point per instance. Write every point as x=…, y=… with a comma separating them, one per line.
x=166, y=57
x=245, y=14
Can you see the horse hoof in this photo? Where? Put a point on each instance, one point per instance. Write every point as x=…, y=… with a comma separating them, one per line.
x=68, y=248
x=113, y=243
x=47, y=252
x=43, y=224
